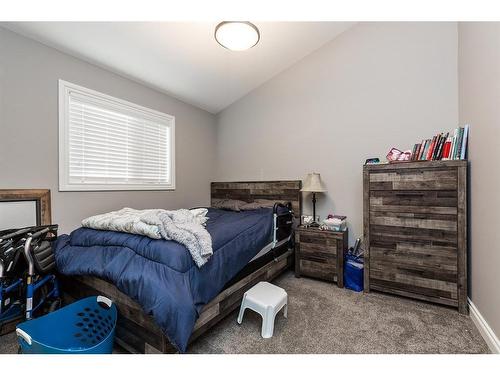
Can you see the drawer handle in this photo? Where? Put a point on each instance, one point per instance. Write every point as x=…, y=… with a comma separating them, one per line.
x=409, y=194
x=313, y=258
x=409, y=171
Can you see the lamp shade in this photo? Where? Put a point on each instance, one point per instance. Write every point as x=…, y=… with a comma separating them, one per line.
x=313, y=184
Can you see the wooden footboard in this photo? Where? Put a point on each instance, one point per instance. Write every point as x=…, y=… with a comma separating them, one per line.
x=137, y=332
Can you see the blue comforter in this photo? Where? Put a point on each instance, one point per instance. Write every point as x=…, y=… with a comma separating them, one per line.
x=161, y=275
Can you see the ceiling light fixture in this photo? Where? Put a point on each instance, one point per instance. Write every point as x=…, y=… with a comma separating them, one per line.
x=237, y=35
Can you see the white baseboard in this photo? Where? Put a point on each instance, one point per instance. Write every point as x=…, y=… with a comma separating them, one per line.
x=484, y=329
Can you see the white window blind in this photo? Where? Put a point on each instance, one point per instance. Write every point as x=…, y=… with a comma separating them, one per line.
x=109, y=144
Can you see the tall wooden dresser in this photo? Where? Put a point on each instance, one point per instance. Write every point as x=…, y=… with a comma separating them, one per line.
x=415, y=230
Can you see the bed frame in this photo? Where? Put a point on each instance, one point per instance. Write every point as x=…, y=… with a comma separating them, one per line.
x=137, y=332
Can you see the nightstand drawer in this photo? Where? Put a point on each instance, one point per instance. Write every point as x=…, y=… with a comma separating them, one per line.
x=318, y=239
x=308, y=251
x=318, y=270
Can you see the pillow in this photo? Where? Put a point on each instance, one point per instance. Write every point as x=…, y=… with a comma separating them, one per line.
x=268, y=202
x=228, y=204
x=259, y=203
x=251, y=206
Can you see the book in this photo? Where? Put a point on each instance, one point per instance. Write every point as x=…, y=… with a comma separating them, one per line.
x=443, y=151
x=338, y=228
x=453, y=144
x=434, y=145
x=450, y=143
x=438, y=140
x=463, y=154
x=442, y=146
x=459, y=143
x=424, y=143
x=429, y=145
x=421, y=150
x=447, y=148
x=336, y=222
x=426, y=148
x=438, y=145
x=447, y=143
x=414, y=152
x=439, y=155
x=339, y=217
x=431, y=149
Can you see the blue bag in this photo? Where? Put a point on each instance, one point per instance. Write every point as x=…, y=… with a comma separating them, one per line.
x=353, y=272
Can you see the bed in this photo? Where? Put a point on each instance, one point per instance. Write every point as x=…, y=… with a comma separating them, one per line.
x=138, y=332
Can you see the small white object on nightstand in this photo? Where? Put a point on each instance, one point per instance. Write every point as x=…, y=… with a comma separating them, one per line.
x=267, y=300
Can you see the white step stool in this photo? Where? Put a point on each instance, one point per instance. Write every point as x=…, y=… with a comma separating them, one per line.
x=266, y=299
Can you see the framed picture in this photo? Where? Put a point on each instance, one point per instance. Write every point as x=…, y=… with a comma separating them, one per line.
x=306, y=220
x=372, y=161
x=24, y=207
x=394, y=154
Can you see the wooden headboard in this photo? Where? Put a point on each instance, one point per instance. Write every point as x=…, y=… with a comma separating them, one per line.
x=248, y=191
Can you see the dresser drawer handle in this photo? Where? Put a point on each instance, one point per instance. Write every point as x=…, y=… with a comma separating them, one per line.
x=409, y=194
x=409, y=171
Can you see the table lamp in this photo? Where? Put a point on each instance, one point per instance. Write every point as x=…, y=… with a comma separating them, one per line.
x=313, y=184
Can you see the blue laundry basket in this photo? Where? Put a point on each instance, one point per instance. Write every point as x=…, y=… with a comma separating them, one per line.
x=84, y=327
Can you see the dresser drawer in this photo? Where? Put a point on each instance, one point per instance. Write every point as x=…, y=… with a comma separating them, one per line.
x=447, y=295
x=417, y=254
x=417, y=201
x=437, y=237
x=415, y=220
x=417, y=265
x=414, y=179
x=318, y=270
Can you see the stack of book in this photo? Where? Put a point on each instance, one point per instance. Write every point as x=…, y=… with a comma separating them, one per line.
x=336, y=223
x=443, y=146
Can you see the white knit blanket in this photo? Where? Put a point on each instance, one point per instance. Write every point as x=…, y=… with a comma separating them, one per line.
x=183, y=226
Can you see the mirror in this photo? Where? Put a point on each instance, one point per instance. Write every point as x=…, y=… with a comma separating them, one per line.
x=24, y=207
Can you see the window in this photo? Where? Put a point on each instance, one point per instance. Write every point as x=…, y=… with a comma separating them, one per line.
x=110, y=144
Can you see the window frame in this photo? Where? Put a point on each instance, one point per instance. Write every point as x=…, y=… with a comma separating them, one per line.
x=64, y=185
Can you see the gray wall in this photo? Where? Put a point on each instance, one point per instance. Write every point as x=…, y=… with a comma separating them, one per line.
x=375, y=86
x=29, y=73
x=479, y=105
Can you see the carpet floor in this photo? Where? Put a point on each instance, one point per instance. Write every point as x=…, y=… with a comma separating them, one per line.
x=325, y=319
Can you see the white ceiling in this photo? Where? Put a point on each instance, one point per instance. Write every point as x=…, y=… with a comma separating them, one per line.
x=183, y=59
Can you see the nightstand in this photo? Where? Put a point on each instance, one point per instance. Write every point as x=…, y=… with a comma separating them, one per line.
x=320, y=254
